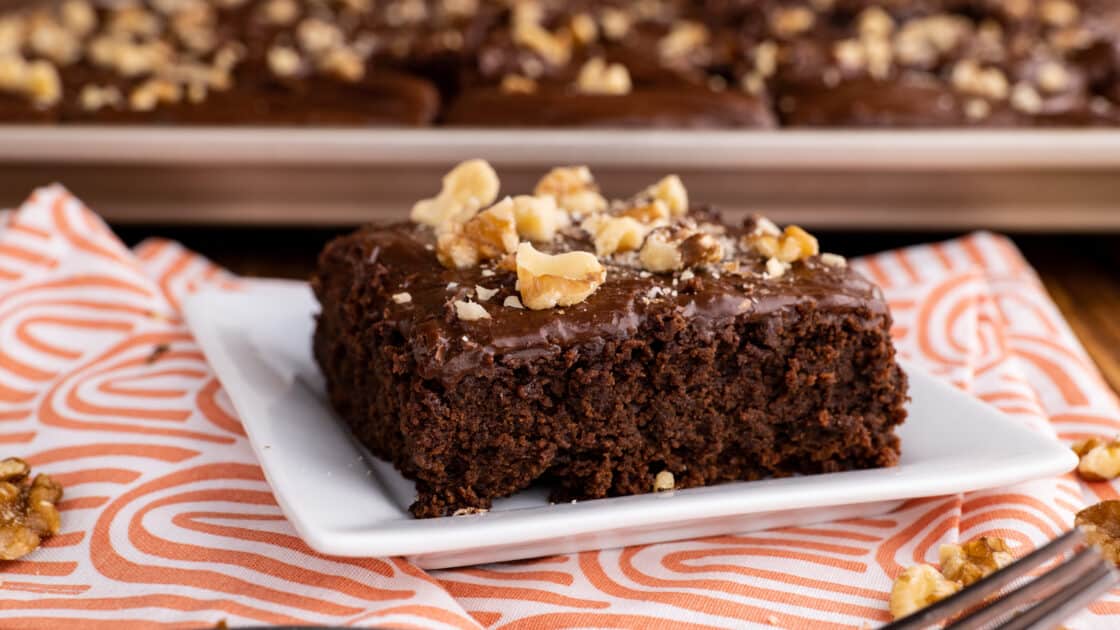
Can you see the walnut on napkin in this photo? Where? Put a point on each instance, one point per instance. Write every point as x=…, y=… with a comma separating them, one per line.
x=27, y=508
x=1101, y=524
x=961, y=565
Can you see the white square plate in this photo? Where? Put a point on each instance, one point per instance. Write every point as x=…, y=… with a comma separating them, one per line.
x=259, y=343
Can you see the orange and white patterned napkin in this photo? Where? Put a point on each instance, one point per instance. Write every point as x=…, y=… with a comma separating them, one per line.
x=167, y=520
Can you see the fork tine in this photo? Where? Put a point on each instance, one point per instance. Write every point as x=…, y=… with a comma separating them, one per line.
x=1056, y=581
x=989, y=586
x=1067, y=601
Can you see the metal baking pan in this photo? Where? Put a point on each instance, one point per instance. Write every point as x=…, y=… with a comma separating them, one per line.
x=1018, y=180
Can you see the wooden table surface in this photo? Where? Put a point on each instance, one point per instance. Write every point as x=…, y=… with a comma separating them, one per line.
x=1082, y=272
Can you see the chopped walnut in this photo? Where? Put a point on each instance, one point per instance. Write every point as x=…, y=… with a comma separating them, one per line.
x=51, y=40
x=470, y=186
x=977, y=109
x=552, y=48
x=135, y=21
x=1100, y=460
x=154, y=92
x=615, y=23
x=614, y=234
x=664, y=481
x=318, y=36
x=834, y=260
x=37, y=80
x=538, y=217
x=776, y=268
x=584, y=29
x=661, y=253
x=684, y=38
x=518, y=84
x=280, y=12
x=78, y=17
x=920, y=42
x=970, y=77
x=1101, y=524
x=653, y=212
x=792, y=245
x=491, y=234
x=402, y=298
x=27, y=508
x=671, y=190
x=974, y=559
x=93, y=97
x=876, y=23
x=1026, y=99
x=574, y=189
x=284, y=61
x=1053, y=77
x=512, y=301
x=701, y=249
x=1058, y=12
x=791, y=21
x=470, y=311
x=546, y=281
x=469, y=511
x=918, y=587
x=598, y=77
x=343, y=63
x=484, y=293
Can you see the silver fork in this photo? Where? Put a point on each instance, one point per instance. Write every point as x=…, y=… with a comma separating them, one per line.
x=1041, y=604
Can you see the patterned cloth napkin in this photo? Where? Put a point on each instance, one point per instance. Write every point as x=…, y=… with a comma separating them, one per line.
x=167, y=520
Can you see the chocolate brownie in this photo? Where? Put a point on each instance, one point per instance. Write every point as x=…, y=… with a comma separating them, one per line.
x=554, y=63
x=599, y=348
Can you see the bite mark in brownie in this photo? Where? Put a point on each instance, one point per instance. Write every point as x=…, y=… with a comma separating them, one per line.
x=711, y=352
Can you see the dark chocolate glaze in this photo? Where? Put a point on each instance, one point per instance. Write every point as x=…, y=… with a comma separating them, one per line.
x=447, y=348
x=667, y=107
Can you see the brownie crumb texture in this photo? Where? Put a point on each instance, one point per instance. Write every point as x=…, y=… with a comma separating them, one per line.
x=602, y=347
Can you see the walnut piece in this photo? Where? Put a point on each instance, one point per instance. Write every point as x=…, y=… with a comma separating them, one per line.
x=470, y=311
x=1100, y=460
x=470, y=186
x=776, y=268
x=975, y=559
x=1101, y=524
x=664, y=481
x=792, y=245
x=614, y=234
x=671, y=191
x=672, y=248
x=918, y=587
x=701, y=248
x=791, y=21
x=538, y=217
x=37, y=80
x=518, y=84
x=684, y=38
x=284, y=61
x=555, y=49
x=547, y=280
x=574, y=189
x=27, y=508
x=835, y=261
x=598, y=77
x=660, y=253
x=491, y=234
x=402, y=298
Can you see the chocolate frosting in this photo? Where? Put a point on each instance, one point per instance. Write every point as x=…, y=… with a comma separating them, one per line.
x=447, y=348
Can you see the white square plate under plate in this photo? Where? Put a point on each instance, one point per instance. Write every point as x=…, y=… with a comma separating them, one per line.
x=259, y=343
